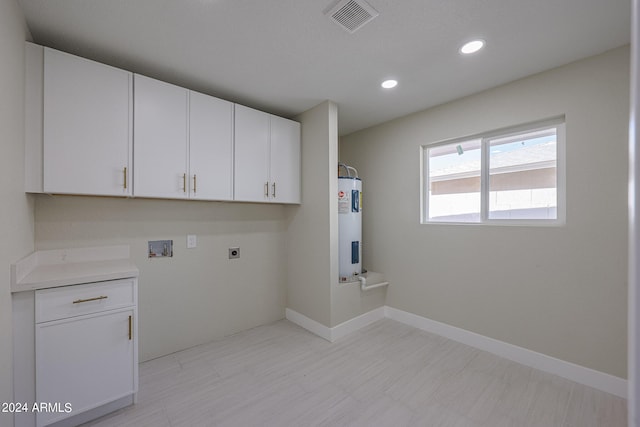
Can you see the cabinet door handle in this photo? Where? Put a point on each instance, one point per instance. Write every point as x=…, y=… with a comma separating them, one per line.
x=195, y=185
x=184, y=182
x=266, y=189
x=273, y=190
x=78, y=301
x=125, y=177
x=130, y=327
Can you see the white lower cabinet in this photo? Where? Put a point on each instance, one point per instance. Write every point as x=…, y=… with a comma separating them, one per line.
x=85, y=347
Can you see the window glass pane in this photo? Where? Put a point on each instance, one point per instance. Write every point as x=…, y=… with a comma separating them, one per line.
x=454, y=182
x=523, y=176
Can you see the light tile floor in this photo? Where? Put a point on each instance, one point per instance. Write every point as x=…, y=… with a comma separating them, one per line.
x=387, y=374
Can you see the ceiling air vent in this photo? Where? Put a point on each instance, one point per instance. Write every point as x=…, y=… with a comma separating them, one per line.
x=352, y=14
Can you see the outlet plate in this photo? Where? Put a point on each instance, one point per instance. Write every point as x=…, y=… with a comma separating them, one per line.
x=192, y=241
x=234, y=253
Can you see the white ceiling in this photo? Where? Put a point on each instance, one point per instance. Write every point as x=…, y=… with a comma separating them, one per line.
x=286, y=56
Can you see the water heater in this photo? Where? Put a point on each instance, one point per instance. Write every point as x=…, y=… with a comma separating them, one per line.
x=349, y=224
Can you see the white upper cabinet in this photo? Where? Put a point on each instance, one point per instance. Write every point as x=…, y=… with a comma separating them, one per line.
x=183, y=143
x=210, y=148
x=267, y=157
x=93, y=129
x=285, y=160
x=87, y=126
x=160, y=139
x=33, y=94
x=251, y=176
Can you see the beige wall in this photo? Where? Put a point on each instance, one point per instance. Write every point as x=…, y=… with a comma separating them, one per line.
x=311, y=239
x=198, y=295
x=561, y=291
x=16, y=217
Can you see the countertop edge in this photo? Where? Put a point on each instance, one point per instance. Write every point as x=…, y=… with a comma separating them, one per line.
x=55, y=283
x=51, y=269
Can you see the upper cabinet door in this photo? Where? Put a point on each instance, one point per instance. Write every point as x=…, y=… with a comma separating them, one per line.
x=251, y=178
x=210, y=147
x=285, y=161
x=87, y=126
x=160, y=139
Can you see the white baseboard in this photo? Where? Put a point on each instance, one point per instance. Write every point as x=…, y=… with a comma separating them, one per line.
x=339, y=331
x=580, y=374
x=345, y=328
x=309, y=324
x=592, y=378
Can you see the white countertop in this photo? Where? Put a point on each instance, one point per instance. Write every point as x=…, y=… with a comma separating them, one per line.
x=63, y=267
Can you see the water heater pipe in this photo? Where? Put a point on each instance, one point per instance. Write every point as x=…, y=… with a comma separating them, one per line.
x=365, y=287
x=348, y=169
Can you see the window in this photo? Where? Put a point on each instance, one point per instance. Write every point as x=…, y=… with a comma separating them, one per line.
x=514, y=176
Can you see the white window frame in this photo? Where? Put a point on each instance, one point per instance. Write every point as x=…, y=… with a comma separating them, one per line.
x=485, y=138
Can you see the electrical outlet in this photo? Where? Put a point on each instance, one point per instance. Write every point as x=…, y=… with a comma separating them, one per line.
x=234, y=253
x=192, y=241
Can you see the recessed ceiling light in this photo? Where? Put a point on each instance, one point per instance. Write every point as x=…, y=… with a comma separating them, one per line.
x=388, y=84
x=472, y=46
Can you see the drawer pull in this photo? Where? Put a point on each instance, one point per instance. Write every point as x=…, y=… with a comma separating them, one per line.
x=130, y=327
x=78, y=301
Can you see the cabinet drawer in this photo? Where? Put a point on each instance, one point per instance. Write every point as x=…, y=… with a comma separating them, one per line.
x=70, y=301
